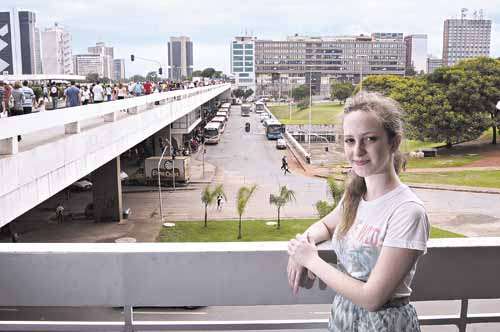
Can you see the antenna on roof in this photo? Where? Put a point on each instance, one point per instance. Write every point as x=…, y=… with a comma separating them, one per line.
x=464, y=13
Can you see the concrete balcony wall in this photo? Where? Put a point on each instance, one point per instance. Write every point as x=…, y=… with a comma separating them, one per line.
x=206, y=274
x=31, y=176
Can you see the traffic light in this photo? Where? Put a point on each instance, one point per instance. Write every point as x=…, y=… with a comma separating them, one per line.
x=132, y=57
x=160, y=71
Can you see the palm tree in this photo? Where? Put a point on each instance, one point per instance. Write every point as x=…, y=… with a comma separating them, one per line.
x=285, y=196
x=336, y=190
x=244, y=194
x=209, y=196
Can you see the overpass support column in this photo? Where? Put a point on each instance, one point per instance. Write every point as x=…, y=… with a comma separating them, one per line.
x=107, y=191
x=164, y=134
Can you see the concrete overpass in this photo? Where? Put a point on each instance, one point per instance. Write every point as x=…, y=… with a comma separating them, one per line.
x=67, y=144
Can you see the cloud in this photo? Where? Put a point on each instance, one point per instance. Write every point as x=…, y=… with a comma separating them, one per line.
x=145, y=26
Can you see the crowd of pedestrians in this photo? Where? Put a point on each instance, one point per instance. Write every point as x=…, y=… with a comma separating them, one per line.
x=18, y=99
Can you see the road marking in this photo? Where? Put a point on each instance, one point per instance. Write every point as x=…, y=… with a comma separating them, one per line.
x=168, y=313
x=320, y=312
x=7, y=309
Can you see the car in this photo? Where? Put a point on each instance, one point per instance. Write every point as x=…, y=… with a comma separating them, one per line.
x=280, y=144
x=263, y=116
x=82, y=185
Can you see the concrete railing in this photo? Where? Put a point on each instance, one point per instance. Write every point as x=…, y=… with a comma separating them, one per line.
x=216, y=274
x=46, y=166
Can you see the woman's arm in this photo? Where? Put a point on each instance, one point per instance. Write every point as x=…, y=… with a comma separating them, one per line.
x=391, y=268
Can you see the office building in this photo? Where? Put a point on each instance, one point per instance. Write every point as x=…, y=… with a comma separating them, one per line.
x=180, y=58
x=107, y=54
x=84, y=64
x=57, y=55
x=465, y=38
x=38, y=52
x=281, y=65
x=433, y=64
x=242, y=62
x=416, y=52
x=17, y=42
x=118, y=69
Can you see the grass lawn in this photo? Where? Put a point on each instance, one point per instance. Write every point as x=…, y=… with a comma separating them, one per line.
x=486, y=179
x=443, y=161
x=325, y=113
x=408, y=145
x=252, y=230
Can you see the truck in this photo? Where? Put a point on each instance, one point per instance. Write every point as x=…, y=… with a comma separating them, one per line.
x=246, y=109
x=168, y=167
x=148, y=175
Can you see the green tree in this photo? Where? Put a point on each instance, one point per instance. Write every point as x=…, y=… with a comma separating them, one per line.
x=208, y=72
x=473, y=86
x=209, y=196
x=335, y=190
x=300, y=92
x=247, y=93
x=92, y=77
x=410, y=71
x=197, y=73
x=238, y=93
x=138, y=78
x=284, y=197
x=341, y=91
x=381, y=83
x=244, y=195
x=303, y=104
x=152, y=76
x=429, y=115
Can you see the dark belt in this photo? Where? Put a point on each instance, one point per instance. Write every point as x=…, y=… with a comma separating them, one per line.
x=396, y=302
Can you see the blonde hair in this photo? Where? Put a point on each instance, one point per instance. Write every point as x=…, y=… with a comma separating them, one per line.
x=17, y=85
x=389, y=113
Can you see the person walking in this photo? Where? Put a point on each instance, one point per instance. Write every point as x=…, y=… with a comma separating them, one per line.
x=109, y=92
x=98, y=93
x=72, y=95
x=219, y=202
x=18, y=102
x=379, y=229
x=54, y=96
x=284, y=165
x=122, y=91
x=85, y=95
x=29, y=98
x=3, y=107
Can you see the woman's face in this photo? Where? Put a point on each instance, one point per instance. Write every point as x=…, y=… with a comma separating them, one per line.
x=366, y=144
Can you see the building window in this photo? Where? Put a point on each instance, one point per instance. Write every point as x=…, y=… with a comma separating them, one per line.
x=237, y=46
x=238, y=69
x=237, y=52
x=238, y=58
x=249, y=46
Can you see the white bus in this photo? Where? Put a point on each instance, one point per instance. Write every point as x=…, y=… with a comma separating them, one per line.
x=223, y=113
x=211, y=133
x=246, y=109
x=222, y=121
x=259, y=107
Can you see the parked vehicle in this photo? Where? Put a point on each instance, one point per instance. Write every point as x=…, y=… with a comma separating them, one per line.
x=280, y=144
x=212, y=133
x=264, y=116
x=246, y=109
x=168, y=167
x=259, y=107
x=226, y=107
x=223, y=114
x=222, y=120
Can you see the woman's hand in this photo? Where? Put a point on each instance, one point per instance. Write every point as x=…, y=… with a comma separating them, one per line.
x=295, y=271
x=302, y=250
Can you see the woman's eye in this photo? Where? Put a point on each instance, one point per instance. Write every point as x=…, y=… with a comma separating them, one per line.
x=349, y=140
x=371, y=139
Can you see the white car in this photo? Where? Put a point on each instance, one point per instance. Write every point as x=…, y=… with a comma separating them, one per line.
x=264, y=116
x=280, y=144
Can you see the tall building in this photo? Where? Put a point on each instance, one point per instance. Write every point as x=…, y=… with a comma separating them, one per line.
x=57, y=55
x=84, y=64
x=107, y=53
x=416, y=52
x=118, y=69
x=281, y=65
x=465, y=38
x=38, y=52
x=180, y=57
x=243, y=63
x=433, y=64
x=17, y=42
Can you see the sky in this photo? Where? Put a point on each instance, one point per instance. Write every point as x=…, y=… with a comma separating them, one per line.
x=143, y=27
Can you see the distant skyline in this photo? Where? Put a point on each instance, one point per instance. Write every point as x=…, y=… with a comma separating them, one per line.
x=144, y=27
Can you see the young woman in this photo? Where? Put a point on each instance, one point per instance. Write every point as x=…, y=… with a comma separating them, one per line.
x=378, y=230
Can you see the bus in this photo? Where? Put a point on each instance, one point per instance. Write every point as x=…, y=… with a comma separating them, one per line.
x=211, y=133
x=222, y=121
x=223, y=113
x=246, y=109
x=274, y=129
x=259, y=107
x=226, y=107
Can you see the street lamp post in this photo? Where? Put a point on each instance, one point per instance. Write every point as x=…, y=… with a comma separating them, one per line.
x=310, y=108
x=159, y=178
